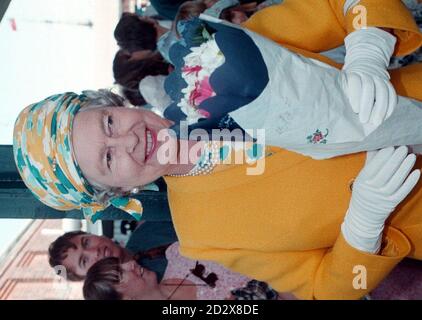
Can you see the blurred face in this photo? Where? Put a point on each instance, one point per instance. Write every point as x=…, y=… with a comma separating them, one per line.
x=159, y=29
x=238, y=17
x=137, y=282
x=90, y=249
x=117, y=146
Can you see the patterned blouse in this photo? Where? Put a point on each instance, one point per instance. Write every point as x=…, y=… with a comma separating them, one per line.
x=209, y=287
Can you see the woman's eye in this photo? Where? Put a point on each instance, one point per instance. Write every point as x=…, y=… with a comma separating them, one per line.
x=109, y=125
x=109, y=158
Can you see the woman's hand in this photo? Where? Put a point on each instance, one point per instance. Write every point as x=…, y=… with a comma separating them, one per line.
x=382, y=184
x=365, y=79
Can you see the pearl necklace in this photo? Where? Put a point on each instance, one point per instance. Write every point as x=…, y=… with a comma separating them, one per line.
x=207, y=162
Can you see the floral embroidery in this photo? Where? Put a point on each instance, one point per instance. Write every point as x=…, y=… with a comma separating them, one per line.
x=318, y=137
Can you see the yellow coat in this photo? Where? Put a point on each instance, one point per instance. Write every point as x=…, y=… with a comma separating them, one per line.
x=283, y=227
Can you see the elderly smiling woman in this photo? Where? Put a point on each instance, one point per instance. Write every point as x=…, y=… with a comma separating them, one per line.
x=113, y=147
x=299, y=225
x=283, y=227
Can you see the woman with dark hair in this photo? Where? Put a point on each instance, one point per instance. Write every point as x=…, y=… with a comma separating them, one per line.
x=129, y=69
x=134, y=33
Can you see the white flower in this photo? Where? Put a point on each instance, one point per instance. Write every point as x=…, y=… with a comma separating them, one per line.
x=192, y=59
x=212, y=57
x=209, y=57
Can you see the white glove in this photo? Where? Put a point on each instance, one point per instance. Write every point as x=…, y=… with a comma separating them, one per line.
x=364, y=77
x=378, y=189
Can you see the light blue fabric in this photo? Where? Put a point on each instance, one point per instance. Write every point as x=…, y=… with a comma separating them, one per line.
x=165, y=42
x=336, y=54
x=268, y=3
x=216, y=9
x=168, y=39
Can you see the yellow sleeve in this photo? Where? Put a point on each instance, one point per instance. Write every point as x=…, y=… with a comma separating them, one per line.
x=306, y=24
x=390, y=14
x=318, y=26
x=316, y=274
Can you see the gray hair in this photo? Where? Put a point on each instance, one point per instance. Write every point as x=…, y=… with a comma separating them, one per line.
x=102, y=98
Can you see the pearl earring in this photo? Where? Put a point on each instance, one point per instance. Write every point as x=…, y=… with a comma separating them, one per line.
x=135, y=190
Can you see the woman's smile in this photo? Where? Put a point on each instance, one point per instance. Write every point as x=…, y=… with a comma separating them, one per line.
x=151, y=143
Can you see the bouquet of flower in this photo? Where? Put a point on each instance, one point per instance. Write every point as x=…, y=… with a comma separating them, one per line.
x=226, y=76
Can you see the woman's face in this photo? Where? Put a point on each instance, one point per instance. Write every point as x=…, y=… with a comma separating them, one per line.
x=117, y=146
x=88, y=249
x=238, y=17
x=137, y=283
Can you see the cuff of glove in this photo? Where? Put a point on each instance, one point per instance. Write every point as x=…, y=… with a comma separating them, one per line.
x=350, y=264
x=369, y=34
x=395, y=247
x=369, y=46
x=361, y=240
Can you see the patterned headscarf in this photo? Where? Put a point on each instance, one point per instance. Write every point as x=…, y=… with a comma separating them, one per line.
x=42, y=148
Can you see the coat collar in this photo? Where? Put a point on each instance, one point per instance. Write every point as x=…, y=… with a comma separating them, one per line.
x=229, y=176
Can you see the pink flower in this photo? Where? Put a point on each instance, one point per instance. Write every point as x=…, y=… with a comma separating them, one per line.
x=317, y=137
x=204, y=113
x=202, y=91
x=191, y=69
x=194, y=94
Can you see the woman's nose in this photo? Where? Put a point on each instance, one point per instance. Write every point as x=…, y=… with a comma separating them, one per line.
x=93, y=254
x=128, y=142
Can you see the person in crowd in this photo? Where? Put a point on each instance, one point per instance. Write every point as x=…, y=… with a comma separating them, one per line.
x=77, y=251
x=229, y=10
x=167, y=8
x=134, y=33
x=184, y=279
x=152, y=246
x=137, y=36
x=129, y=69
